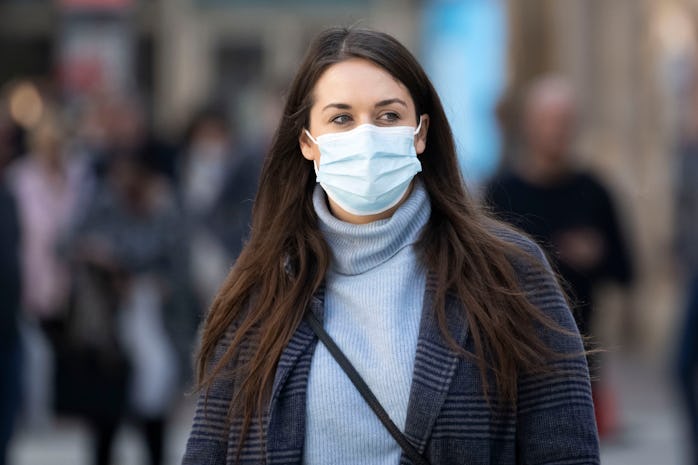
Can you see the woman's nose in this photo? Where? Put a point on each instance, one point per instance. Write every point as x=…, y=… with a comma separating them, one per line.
x=366, y=118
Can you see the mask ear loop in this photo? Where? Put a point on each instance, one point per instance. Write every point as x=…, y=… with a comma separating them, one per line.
x=315, y=141
x=419, y=126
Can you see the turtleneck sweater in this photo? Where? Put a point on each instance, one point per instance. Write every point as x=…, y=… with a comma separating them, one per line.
x=374, y=291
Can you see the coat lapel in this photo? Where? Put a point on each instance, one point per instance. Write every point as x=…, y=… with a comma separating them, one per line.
x=284, y=444
x=297, y=346
x=435, y=365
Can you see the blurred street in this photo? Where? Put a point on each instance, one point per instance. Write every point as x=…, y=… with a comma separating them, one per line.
x=68, y=443
x=651, y=424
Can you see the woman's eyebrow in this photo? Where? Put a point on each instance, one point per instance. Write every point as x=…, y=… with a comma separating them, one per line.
x=341, y=106
x=390, y=101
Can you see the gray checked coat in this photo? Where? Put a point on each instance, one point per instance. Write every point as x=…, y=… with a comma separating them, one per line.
x=448, y=418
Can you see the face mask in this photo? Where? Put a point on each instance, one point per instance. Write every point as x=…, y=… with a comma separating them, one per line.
x=367, y=170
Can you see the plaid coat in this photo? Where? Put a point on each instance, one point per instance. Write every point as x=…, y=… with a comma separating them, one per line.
x=448, y=419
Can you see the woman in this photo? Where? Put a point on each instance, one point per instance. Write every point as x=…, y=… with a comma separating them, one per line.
x=454, y=322
x=46, y=184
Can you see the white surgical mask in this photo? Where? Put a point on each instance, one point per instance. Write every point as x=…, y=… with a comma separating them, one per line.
x=367, y=170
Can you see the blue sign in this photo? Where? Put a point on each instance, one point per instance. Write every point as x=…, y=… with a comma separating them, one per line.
x=464, y=52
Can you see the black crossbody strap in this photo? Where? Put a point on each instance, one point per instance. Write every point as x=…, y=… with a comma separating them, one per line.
x=364, y=390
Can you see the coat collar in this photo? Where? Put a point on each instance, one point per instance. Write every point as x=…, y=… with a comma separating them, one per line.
x=285, y=427
x=435, y=365
x=297, y=346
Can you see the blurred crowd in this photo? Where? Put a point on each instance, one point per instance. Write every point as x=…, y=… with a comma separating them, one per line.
x=112, y=243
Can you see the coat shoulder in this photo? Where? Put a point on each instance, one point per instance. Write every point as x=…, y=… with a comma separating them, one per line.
x=521, y=243
x=539, y=282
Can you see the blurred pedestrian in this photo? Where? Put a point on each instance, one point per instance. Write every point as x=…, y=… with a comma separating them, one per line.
x=363, y=233
x=687, y=253
x=126, y=252
x=46, y=184
x=217, y=184
x=205, y=170
x=217, y=180
x=10, y=297
x=568, y=210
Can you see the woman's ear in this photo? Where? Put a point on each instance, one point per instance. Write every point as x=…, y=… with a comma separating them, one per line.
x=420, y=139
x=308, y=147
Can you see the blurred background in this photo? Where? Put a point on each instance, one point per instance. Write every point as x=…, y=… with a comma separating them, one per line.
x=132, y=134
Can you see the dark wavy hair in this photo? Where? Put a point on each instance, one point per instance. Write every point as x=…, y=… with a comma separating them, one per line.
x=265, y=303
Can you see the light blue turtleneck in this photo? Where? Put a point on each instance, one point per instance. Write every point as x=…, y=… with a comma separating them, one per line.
x=374, y=293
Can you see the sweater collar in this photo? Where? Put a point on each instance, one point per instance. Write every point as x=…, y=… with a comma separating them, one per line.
x=357, y=248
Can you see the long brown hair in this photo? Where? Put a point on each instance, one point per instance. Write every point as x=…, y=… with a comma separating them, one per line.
x=266, y=302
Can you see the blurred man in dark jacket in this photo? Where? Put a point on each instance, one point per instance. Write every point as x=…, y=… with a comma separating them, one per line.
x=567, y=210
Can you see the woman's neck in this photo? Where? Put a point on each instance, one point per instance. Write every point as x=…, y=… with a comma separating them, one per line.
x=359, y=247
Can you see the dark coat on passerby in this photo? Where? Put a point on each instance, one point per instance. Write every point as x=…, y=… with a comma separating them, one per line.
x=576, y=201
x=9, y=268
x=232, y=215
x=10, y=296
x=687, y=254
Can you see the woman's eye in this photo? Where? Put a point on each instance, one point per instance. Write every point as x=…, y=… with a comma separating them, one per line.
x=390, y=116
x=341, y=119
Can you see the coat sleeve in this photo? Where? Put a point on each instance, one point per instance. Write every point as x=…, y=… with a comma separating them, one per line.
x=208, y=440
x=555, y=412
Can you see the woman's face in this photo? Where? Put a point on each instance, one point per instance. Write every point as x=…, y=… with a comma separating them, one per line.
x=355, y=92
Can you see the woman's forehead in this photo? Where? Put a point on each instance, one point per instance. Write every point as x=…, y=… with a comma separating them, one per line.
x=357, y=81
